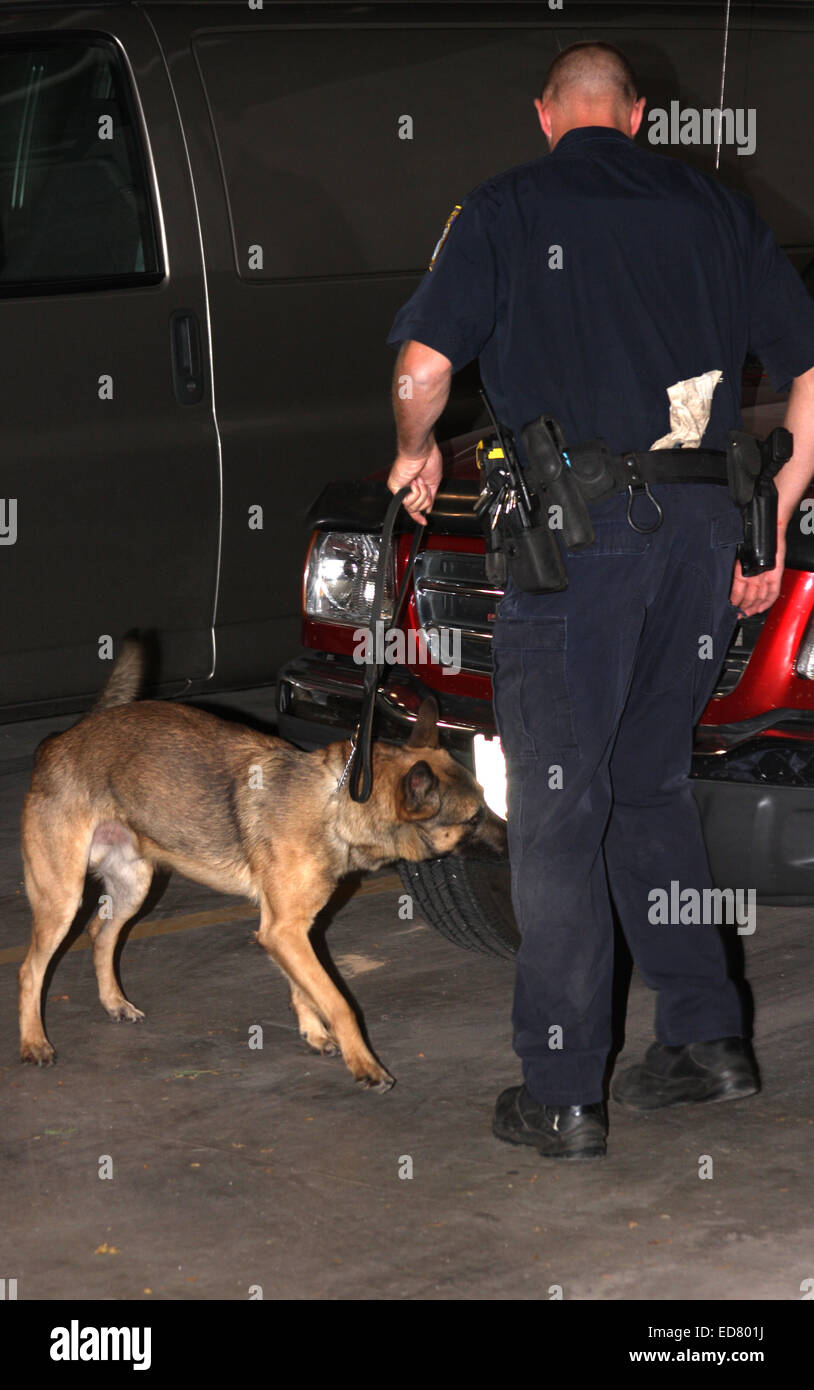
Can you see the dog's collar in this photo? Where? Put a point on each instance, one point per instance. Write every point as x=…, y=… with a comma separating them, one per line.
x=346, y=769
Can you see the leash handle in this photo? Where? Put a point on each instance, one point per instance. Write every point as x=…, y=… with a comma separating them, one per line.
x=360, y=770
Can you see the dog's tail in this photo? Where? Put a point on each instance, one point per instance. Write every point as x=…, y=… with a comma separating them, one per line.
x=125, y=680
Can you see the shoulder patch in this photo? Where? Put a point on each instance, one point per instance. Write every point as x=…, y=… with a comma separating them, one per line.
x=444, y=234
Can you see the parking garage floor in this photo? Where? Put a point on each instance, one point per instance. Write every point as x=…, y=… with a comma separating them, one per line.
x=172, y=1160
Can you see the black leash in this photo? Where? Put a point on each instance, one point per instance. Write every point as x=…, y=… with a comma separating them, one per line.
x=358, y=769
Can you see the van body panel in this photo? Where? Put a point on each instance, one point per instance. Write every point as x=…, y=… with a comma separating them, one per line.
x=116, y=482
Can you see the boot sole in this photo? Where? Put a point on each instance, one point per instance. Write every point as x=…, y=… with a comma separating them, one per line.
x=574, y=1156
x=731, y=1092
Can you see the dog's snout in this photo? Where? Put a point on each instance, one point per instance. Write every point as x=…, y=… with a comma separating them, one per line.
x=495, y=834
x=487, y=831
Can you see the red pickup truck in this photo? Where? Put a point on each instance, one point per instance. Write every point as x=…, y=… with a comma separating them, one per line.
x=753, y=766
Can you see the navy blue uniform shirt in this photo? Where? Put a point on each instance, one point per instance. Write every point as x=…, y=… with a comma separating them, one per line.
x=665, y=274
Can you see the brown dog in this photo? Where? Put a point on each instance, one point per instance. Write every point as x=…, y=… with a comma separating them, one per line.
x=135, y=785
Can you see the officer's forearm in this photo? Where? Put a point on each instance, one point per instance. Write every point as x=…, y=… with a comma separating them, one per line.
x=795, y=476
x=420, y=391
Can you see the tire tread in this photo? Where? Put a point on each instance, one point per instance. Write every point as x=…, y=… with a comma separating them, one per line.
x=468, y=901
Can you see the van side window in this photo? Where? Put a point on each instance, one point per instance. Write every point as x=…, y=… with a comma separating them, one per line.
x=75, y=211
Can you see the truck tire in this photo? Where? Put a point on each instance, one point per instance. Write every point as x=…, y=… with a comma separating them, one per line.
x=467, y=900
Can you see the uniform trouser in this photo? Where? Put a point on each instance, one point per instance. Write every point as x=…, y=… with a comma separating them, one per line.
x=597, y=690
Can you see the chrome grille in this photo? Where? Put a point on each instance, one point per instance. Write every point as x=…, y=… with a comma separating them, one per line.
x=451, y=591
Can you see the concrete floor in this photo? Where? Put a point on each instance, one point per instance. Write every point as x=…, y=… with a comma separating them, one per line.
x=234, y=1167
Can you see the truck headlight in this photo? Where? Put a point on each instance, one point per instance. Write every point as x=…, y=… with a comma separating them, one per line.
x=340, y=578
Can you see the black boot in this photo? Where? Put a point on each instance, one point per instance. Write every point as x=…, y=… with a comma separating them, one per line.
x=556, y=1131
x=724, y=1069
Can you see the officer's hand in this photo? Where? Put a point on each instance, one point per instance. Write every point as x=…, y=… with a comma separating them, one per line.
x=757, y=594
x=424, y=475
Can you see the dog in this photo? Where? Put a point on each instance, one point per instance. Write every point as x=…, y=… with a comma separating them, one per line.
x=137, y=784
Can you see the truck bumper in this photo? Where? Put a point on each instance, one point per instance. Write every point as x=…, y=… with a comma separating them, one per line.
x=758, y=835
x=319, y=701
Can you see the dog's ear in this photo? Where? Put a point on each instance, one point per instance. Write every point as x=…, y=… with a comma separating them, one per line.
x=420, y=792
x=424, y=732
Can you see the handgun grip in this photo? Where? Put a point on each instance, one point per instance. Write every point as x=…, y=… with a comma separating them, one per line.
x=776, y=449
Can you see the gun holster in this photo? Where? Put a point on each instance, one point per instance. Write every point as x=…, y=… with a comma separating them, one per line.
x=743, y=464
x=759, y=550
x=751, y=465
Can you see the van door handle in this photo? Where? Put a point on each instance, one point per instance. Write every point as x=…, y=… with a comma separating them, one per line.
x=187, y=357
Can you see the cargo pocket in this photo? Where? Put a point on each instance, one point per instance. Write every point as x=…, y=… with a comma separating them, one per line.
x=532, y=698
x=725, y=535
x=726, y=530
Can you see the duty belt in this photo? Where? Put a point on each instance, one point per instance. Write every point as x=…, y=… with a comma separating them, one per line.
x=601, y=474
x=634, y=473
x=522, y=508
x=659, y=466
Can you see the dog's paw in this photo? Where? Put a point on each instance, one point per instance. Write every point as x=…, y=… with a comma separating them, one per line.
x=380, y=1080
x=322, y=1043
x=39, y=1054
x=125, y=1013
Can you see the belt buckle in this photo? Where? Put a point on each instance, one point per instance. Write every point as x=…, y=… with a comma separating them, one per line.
x=634, y=487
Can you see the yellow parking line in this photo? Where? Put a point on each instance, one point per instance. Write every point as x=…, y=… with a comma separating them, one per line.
x=163, y=926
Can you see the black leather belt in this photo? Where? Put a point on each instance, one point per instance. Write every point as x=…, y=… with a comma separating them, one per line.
x=601, y=474
x=674, y=466
x=660, y=465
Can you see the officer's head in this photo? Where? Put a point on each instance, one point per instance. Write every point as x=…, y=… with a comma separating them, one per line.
x=589, y=84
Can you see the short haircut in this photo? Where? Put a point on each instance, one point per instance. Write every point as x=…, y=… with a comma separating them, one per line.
x=592, y=69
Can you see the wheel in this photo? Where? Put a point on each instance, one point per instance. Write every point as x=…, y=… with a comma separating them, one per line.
x=467, y=900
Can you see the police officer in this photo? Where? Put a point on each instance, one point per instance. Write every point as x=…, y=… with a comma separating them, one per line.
x=588, y=283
